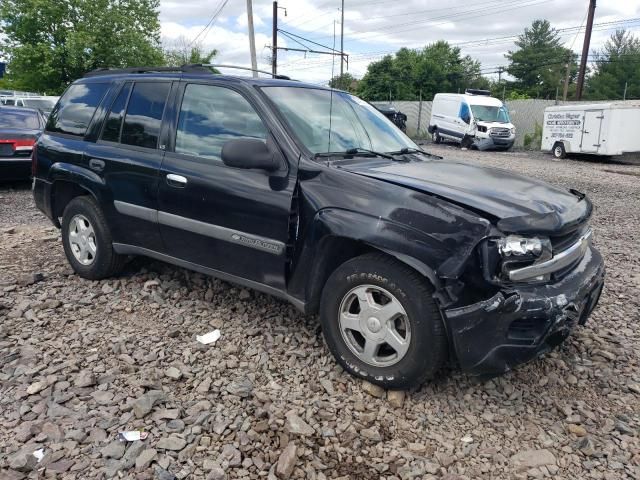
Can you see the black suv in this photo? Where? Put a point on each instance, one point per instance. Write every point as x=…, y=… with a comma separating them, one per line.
x=312, y=195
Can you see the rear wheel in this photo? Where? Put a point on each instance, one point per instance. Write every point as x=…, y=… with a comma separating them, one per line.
x=381, y=323
x=435, y=136
x=87, y=240
x=559, y=151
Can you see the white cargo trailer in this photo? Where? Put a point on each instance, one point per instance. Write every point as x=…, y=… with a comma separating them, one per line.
x=598, y=128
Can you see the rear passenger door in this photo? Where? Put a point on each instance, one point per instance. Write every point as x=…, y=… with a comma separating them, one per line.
x=127, y=155
x=232, y=220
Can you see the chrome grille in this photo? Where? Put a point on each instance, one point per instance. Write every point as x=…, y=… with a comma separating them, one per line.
x=500, y=132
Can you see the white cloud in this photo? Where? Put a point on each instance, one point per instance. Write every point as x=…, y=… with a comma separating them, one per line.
x=375, y=27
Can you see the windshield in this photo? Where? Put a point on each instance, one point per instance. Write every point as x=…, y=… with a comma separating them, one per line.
x=490, y=114
x=43, y=103
x=346, y=122
x=25, y=120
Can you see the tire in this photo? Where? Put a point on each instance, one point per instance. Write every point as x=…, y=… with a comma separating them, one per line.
x=466, y=142
x=435, y=136
x=420, y=330
x=87, y=240
x=559, y=151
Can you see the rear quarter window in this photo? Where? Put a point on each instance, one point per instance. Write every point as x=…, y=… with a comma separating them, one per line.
x=19, y=120
x=76, y=108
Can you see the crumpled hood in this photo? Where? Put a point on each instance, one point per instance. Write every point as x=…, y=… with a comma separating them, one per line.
x=519, y=203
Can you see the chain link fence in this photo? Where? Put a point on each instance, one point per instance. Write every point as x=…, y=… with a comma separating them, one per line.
x=524, y=115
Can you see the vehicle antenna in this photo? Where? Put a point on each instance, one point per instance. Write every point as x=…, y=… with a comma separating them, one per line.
x=333, y=65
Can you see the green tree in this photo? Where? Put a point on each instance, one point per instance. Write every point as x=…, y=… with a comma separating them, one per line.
x=346, y=82
x=185, y=52
x=51, y=43
x=618, y=63
x=438, y=67
x=539, y=63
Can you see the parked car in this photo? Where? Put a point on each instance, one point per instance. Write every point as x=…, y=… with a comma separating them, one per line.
x=595, y=129
x=19, y=129
x=399, y=119
x=43, y=103
x=474, y=119
x=411, y=260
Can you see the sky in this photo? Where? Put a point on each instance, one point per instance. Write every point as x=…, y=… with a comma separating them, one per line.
x=372, y=28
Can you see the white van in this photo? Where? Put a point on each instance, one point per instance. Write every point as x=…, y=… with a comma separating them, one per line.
x=474, y=119
x=597, y=129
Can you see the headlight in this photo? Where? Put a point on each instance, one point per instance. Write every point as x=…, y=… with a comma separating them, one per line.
x=517, y=246
x=513, y=131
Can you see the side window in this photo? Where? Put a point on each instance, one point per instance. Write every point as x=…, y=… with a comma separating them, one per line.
x=144, y=114
x=465, y=113
x=113, y=125
x=210, y=116
x=75, y=109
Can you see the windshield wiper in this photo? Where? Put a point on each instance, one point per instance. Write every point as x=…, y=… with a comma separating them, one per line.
x=407, y=150
x=355, y=151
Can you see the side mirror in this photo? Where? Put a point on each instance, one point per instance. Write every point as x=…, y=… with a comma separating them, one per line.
x=249, y=153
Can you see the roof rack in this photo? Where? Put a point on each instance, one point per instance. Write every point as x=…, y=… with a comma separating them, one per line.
x=217, y=65
x=189, y=68
x=477, y=91
x=113, y=71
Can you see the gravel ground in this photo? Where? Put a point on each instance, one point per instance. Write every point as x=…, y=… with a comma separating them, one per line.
x=82, y=361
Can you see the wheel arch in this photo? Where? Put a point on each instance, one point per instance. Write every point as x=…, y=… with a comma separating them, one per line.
x=337, y=236
x=69, y=181
x=566, y=145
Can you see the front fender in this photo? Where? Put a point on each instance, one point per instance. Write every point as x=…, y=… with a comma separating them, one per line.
x=437, y=254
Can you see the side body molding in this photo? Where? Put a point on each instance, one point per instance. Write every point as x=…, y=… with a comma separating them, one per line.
x=249, y=240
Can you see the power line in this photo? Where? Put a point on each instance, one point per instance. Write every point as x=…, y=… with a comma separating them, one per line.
x=478, y=43
x=221, y=5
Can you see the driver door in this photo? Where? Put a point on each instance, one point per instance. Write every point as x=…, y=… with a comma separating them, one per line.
x=232, y=220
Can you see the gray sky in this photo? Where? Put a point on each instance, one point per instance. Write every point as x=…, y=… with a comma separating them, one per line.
x=375, y=27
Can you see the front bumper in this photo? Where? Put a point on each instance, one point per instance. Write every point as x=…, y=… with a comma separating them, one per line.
x=14, y=169
x=486, y=143
x=521, y=323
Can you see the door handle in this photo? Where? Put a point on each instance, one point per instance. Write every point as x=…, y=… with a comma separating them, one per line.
x=177, y=181
x=96, y=165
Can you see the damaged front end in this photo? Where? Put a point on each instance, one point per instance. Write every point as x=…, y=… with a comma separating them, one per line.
x=541, y=288
x=488, y=136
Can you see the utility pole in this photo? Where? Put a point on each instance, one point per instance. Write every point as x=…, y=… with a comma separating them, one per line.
x=342, y=40
x=274, y=41
x=500, y=70
x=624, y=95
x=252, y=39
x=565, y=90
x=585, y=49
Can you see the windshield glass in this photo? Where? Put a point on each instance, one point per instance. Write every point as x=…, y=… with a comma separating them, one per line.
x=43, y=103
x=13, y=119
x=346, y=122
x=490, y=114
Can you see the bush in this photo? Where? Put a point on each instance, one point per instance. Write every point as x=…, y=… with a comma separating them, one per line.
x=533, y=141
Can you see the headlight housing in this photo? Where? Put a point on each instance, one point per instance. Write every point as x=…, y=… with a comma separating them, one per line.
x=513, y=131
x=503, y=254
x=517, y=246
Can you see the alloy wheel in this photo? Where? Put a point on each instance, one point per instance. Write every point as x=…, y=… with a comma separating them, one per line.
x=82, y=239
x=374, y=325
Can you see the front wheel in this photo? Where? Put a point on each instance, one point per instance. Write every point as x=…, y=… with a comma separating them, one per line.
x=435, y=136
x=381, y=322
